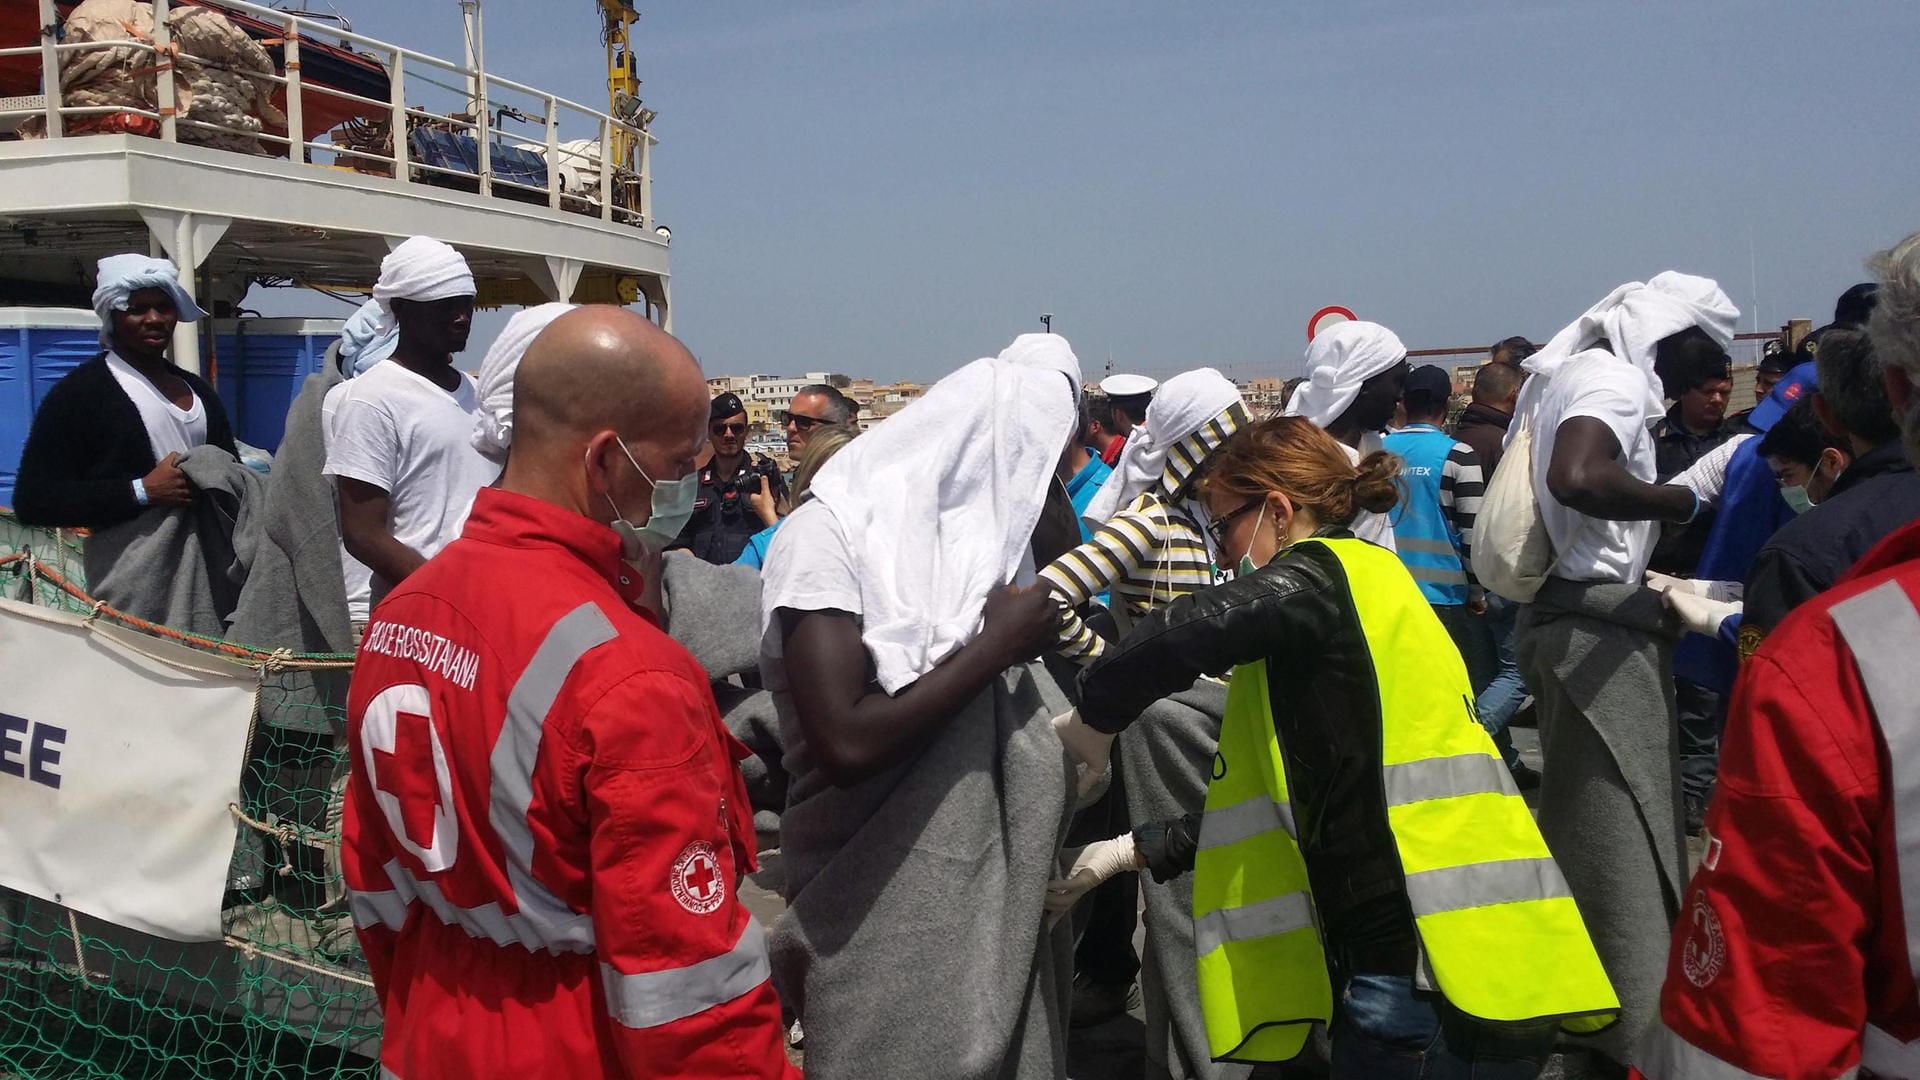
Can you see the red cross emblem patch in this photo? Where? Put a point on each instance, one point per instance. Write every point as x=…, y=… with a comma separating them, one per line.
x=698, y=883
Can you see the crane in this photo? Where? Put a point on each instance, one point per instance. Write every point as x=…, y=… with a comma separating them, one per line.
x=623, y=84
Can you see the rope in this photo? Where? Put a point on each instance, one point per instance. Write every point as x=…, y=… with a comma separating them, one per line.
x=80, y=949
x=253, y=952
x=287, y=832
x=274, y=661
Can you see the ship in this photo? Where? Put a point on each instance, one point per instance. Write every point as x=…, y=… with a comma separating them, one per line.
x=353, y=144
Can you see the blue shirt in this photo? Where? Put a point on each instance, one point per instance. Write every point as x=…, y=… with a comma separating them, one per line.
x=1084, y=486
x=755, y=553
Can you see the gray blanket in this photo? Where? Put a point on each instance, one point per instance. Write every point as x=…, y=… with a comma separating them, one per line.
x=714, y=611
x=1166, y=760
x=1599, y=659
x=295, y=596
x=182, y=567
x=914, y=946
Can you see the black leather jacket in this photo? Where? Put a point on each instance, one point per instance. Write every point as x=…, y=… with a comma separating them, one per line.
x=1297, y=614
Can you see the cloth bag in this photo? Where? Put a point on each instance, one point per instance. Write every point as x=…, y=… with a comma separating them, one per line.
x=1511, y=553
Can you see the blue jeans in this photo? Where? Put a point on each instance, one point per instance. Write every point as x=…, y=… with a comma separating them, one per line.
x=1384, y=1029
x=1501, y=699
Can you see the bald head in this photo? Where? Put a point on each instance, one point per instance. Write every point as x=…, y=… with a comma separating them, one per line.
x=598, y=368
x=597, y=376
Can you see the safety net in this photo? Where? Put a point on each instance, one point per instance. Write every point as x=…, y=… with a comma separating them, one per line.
x=286, y=994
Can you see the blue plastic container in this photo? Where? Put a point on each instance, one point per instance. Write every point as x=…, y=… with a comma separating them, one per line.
x=260, y=364
x=38, y=346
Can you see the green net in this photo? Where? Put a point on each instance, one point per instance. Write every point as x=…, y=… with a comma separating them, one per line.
x=286, y=996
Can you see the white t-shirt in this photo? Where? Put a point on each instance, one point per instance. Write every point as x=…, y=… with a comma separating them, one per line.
x=1376, y=528
x=358, y=577
x=170, y=429
x=396, y=430
x=1614, y=392
x=809, y=568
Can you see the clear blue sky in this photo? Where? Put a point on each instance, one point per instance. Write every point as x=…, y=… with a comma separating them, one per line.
x=894, y=188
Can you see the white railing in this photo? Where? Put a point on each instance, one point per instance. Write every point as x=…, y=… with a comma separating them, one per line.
x=624, y=192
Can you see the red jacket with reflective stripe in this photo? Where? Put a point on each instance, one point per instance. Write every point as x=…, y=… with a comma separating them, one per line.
x=1791, y=956
x=545, y=825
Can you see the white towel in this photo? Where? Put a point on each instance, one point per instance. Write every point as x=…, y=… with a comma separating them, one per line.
x=1184, y=404
x=1633, y=318
x=939, y=503
x=1340, y=358
x=422, y=269
x=366, y=339
x=493, y=427
x=118, y=277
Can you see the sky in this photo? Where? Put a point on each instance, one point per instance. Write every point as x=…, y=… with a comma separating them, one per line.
x=892, y=189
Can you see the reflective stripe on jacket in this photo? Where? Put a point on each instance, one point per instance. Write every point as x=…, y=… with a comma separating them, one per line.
x=544, y=826
x=1797, y=948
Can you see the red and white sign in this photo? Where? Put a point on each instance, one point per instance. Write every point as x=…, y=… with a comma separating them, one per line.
x=698, y=882
x=1331, y=315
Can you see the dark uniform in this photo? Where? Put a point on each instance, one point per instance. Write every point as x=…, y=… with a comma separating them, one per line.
x=723, y=517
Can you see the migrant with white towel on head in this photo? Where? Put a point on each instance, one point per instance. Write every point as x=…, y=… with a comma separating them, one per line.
x=105, y=440
x=929, y=795
x=400, y=436
x=1355, y=372
x=1594, y=644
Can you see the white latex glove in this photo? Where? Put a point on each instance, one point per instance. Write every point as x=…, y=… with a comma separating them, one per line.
x=1726, y=591
x=1701, y=614
x=1090, y=748
x=1082, y=868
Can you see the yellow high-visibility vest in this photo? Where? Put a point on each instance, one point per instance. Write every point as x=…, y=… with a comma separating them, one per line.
x=1497, y=926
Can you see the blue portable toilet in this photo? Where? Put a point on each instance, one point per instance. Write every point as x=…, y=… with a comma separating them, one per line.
x=260, y=364
x=38, y=346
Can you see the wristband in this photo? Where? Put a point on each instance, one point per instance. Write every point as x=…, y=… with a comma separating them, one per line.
x=1696, y=507
x=140, y=492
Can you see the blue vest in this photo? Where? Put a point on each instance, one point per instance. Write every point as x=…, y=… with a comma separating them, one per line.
x=1427, y=541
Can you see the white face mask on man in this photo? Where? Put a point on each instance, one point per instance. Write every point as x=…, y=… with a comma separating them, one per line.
x=671, y=508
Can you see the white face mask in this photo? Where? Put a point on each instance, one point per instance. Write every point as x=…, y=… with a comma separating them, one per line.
x=1247, y=568
x=672, y=507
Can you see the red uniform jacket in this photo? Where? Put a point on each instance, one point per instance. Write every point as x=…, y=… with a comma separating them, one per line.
x=1795, y=951
x=545, y=825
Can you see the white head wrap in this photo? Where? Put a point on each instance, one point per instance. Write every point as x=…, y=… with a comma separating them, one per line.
x=1632, y=319
x=1340, y=358
x=366, y=339
x=939, y=503
x=493, y=428
x=1184, y=404
x=118, y=277
x=422, y=269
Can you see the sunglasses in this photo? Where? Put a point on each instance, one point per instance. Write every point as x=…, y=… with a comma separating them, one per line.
x=1217, y=528
x=727, y=429
x=804, y=423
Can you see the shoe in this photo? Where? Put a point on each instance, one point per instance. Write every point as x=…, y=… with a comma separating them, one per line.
x=1096, y=1003
x=1525, y=777
x=796, y=1037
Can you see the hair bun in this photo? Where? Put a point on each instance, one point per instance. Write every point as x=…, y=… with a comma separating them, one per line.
x=1376, y=483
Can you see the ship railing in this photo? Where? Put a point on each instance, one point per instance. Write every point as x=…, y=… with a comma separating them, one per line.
x=622, y=190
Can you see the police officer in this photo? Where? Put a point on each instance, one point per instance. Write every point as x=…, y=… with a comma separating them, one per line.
x=738, y=491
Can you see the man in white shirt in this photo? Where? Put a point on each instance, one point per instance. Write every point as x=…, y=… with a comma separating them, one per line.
x=400, y=436
x=1595, y=645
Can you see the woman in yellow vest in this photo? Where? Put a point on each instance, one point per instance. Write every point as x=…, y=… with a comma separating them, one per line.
x=1361, y=843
